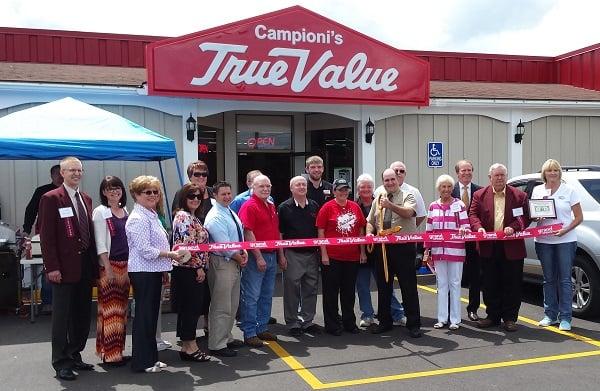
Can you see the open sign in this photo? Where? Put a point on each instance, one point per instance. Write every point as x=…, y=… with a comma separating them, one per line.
x=256, y=142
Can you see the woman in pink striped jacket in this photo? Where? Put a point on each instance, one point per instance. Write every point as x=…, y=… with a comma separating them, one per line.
x=447, y=214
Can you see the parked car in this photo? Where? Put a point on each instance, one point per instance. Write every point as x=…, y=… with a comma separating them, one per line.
x=586, y=268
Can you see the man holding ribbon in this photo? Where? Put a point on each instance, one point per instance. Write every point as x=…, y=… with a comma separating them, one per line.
x=71, y=264
x=393, y=210
x=499, y=207
x=224, y=226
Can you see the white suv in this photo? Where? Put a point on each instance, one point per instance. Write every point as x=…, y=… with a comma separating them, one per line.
x=586, y=268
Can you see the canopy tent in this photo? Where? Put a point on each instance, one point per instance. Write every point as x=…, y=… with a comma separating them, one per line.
x=68, y=127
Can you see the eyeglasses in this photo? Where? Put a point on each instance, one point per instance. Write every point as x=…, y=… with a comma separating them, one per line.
x=113, y=189
x=74, y=170
x=203, y=174
x=400, y=171
x=150, y=192
x=196, y=196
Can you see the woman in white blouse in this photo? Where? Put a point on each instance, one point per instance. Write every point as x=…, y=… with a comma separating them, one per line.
x=556, y=253
x=150, y=259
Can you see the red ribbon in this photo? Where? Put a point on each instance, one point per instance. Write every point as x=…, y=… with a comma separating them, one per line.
x=390, y=239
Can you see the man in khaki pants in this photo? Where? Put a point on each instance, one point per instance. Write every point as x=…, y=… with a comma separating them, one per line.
x=224, y=225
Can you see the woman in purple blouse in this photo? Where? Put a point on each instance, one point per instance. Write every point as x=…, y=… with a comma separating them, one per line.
x=150, y=259
x=189, y=278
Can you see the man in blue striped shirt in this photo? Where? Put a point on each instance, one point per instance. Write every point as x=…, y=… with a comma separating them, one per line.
x=224, y=226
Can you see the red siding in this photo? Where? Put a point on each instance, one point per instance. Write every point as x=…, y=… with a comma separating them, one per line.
x=580, y=68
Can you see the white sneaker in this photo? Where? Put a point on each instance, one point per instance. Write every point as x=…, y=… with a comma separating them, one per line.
x=454, y=326
x=163, y=345
x=400, y=322
x=160, y=364
x=439, y=325
x=366, y=322
x=547, y=322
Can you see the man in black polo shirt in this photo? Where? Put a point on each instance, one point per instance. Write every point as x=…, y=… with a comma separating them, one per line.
x=319, y=189
x=297, y=217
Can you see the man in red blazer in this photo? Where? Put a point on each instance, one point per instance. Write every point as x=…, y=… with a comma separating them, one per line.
x=70, y=262
x=498, y=207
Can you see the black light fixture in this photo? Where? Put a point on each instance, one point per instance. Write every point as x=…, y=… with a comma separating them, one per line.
x=369, y=131
x=520, y=132
x=190, y=125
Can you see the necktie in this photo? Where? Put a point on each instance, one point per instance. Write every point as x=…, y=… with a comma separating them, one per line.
x=465, y=196
x=84, y=228
x=237, y=226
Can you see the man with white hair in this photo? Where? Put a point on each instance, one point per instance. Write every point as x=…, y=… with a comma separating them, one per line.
x=297, y=219
x=499, y=207
x=259, y=217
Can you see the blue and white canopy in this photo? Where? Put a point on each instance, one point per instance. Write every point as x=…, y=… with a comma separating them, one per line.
x=68, y=127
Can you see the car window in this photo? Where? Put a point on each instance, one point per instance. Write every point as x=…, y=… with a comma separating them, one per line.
x=521, y=185
x=593, y=187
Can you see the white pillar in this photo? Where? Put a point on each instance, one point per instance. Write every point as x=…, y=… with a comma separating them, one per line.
x=189, y=151
x=366, y=151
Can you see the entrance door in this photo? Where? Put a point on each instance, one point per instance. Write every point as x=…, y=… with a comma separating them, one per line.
x=277, y=166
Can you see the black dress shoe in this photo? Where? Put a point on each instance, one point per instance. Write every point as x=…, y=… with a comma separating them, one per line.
x=66, y=374
x=415, y=332
x=313, y=329
x=354, y=330
x=235, y=344
x=380, y=328
x=472, y=315
x=295, y=331
x=272, y=320
x=82, y=366
x=225, y=352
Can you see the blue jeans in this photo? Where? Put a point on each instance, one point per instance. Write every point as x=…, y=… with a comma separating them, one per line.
x=363, y=289
x=257, y=295
x=557, y=262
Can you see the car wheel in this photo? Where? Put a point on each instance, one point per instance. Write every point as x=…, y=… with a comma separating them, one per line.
x=586, y=287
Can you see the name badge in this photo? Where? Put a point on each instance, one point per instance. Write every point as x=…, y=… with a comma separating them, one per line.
x=455, y=207
x=106, y=213
x=517, y=212
x=65, y=212
x=326, y=192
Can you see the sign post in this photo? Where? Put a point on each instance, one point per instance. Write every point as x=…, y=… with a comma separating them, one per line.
x=435, y=154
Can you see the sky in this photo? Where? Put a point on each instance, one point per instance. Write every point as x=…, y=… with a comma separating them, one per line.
x=524, y=27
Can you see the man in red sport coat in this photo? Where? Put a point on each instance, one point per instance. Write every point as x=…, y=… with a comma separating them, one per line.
x=70, y=262
x=499, y=207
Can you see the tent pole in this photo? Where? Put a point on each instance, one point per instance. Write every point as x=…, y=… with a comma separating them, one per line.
x=178, y=170
x=162, y=178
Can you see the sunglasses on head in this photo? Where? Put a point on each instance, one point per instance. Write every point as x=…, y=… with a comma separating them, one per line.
x=201, y=174
x=150, y=192
x=196, y=196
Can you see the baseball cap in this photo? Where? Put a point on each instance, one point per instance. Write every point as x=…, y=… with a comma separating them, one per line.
x=341, y=183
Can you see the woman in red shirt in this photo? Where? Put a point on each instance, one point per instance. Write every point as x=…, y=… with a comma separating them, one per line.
x=337, y=218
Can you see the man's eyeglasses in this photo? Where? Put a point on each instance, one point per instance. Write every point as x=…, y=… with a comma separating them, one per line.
x=150, y=192
x=196, y=196
x=203, y=174
x=400, y=171
x=73, y=170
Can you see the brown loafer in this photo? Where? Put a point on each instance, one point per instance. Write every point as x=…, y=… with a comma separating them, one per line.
x=486, y=323
x=510, y=326
x=254, y=342
x=267, y=336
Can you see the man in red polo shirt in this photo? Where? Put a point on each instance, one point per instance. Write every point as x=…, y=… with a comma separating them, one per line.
x=260, y=222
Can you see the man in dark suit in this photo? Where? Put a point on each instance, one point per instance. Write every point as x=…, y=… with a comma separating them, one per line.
x=498, y=207
x=70, y=263
x=464, y=190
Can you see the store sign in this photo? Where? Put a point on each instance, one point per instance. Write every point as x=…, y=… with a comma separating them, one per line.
x=289, y=55
x=249, y=141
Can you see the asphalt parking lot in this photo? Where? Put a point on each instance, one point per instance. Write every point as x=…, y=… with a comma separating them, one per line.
x=466, y=359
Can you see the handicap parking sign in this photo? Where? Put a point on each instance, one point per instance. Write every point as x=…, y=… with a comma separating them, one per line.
x=435, y=154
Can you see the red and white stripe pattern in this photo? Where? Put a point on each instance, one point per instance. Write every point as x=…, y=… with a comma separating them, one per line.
x=440, y=219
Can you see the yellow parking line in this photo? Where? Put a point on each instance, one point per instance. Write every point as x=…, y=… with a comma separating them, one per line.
x=316, y=384
x=532, y=322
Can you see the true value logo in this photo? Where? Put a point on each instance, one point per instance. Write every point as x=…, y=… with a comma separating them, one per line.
x=288, y=65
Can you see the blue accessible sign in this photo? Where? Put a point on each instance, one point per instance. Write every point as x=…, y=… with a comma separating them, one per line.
x=435, y=154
